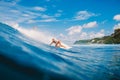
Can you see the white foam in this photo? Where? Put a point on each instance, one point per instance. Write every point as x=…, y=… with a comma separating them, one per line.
x=35, y=34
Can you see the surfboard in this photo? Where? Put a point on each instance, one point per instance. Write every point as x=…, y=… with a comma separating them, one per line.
x=66, y=46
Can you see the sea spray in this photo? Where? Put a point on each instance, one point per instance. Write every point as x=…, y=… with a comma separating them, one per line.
x=35, y=34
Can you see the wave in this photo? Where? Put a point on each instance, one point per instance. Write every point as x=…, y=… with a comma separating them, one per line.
x=26, y=56
x=29, y=47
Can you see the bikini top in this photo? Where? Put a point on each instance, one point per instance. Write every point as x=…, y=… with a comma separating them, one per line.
x=54, y=41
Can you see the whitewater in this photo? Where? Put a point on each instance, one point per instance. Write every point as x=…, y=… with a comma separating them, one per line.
x=26, y=55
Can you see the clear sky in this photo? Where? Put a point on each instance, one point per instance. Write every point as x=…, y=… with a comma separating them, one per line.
x=67, y=19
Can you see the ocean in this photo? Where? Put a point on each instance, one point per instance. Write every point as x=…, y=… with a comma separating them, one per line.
x=27, y=58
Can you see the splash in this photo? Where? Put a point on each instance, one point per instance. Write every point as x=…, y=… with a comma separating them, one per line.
x=35, y=34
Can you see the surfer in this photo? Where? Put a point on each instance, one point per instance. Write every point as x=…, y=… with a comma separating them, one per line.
x=57, y=43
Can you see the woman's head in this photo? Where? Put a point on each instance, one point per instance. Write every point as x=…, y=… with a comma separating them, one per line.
x=53, y=39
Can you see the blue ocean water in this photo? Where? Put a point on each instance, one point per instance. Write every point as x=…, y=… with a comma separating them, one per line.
x=22, y=58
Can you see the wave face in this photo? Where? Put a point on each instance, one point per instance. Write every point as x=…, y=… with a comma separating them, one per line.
x=26, y=57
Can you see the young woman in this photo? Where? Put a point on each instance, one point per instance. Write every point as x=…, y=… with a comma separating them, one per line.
x=57, y=43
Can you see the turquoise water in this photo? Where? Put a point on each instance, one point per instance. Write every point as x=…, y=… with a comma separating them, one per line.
x=22, y=58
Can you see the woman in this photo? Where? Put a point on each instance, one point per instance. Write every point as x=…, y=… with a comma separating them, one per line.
x=57, y=43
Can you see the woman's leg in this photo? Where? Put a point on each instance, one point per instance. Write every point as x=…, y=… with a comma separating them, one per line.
x=57, y=44
x=61, y=45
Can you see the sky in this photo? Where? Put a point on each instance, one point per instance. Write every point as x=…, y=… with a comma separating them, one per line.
x=68, y=20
